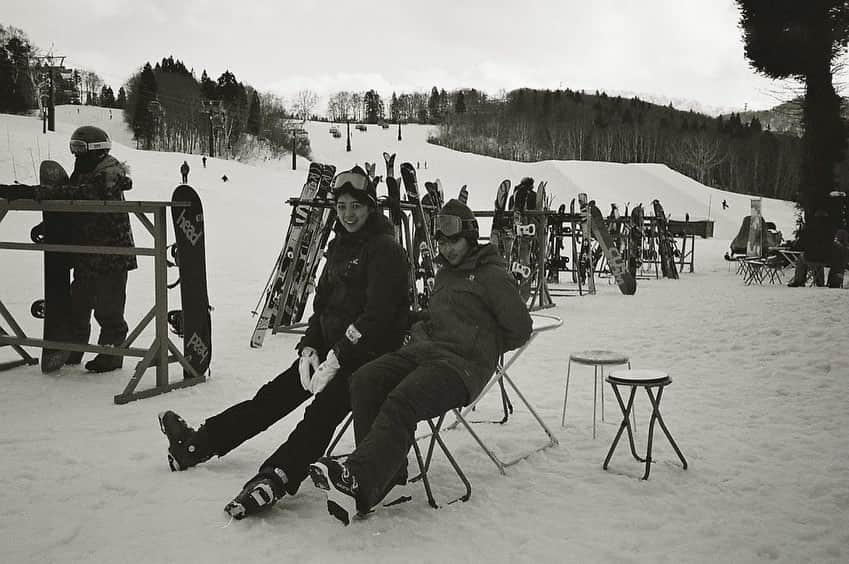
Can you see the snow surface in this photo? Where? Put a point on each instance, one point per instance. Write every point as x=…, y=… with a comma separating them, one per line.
x=758, y=402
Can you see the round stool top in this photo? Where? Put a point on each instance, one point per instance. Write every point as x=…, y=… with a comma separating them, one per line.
x=639, y=377
x=598, y=357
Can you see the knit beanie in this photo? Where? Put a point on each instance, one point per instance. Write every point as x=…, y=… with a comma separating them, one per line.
x=470, y=224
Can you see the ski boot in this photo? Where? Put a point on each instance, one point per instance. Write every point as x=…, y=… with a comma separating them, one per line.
x=186, y=447
x=334, y=477
x=258, y=494
x=104, y=363
x=74, y=358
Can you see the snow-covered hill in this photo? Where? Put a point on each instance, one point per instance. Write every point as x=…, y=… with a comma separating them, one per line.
x=758, y=403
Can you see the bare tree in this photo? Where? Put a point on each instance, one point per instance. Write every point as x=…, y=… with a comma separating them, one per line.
x=304, y=102
x=698, y=155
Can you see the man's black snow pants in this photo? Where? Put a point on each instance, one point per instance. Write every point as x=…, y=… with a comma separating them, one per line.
x=389, y=396
x=272, y=402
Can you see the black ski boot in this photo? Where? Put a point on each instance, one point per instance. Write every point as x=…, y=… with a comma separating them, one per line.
x=74, y=358
x=258, y=494
x=104, y=363
x=341, y=486
x=186, y=447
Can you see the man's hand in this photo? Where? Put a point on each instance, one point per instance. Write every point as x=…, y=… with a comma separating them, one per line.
x=306, y=365
x=325, y=373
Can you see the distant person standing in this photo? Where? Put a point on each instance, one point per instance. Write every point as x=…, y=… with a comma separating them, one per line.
x=184, y=171
x=724, y=204
x=203, y=159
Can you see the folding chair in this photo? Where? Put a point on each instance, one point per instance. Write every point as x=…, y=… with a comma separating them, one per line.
x=422, y=461
x=542, y=322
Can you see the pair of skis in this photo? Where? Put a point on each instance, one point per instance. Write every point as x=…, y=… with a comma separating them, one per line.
x=423, y=250
x=285, y=293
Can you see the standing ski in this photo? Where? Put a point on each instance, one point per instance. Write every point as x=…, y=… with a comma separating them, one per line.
x=321, y=229
x=463, y=195
x=282, y=275
x=421, y=236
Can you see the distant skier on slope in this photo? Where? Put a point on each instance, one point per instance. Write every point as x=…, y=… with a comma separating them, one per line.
x=360, y=312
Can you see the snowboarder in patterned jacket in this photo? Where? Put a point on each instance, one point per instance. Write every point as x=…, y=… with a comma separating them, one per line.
x=475, y=314
x=360, y=312
x=100, y=281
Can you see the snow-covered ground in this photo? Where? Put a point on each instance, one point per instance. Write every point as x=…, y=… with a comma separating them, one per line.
x=758, y=404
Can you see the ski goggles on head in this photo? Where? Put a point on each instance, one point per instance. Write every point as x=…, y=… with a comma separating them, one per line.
x=451, y=225
x=80, y=147
x=354, y=180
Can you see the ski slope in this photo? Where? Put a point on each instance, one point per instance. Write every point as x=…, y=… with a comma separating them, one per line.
x=757, y=405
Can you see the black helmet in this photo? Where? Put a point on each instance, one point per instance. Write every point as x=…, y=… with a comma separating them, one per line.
x=89, y=139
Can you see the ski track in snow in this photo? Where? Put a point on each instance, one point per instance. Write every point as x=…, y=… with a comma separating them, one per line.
x=757, y=404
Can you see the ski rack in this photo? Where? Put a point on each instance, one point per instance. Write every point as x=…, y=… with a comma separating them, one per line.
x=562, y=226
x=684, y=243
x=156, y=355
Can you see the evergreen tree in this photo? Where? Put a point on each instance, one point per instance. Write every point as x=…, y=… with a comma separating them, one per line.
x=208, y=87
x=254, y=116
x=460, y=103
x=142, y=119
x=433, y=104
x=121, y=100
x=802, y=40
x=394, y=110
x=16, y=92
x=373, y=106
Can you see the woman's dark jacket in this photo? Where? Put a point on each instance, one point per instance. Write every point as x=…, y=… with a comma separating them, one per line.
x=365, y=283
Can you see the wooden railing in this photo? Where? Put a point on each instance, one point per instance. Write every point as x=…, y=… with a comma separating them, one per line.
x=154, y=356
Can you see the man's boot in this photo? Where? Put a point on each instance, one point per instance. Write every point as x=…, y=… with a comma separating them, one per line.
x=104, y=363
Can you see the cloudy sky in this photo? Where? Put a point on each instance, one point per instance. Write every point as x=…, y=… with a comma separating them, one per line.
x=671, y=49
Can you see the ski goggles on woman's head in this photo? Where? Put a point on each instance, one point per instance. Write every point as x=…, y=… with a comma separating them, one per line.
x=80, y=147
x=354, y=180
x=451, y=225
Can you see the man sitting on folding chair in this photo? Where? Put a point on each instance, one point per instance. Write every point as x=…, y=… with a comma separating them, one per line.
x=475, y=315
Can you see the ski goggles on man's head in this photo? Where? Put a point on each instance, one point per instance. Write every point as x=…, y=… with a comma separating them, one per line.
x=80, y=147
x=354, y=180
x=451, y=225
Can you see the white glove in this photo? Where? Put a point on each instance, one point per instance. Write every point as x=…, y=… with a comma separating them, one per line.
x=325, y=373
x=306, y=365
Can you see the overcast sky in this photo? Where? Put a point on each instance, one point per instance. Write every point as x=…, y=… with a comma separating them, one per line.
x=676, y=49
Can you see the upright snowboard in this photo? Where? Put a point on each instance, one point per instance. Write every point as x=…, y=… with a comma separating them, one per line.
x=190, y=234
x=665, y=243
x=56, y=228
x=501, y=237
x=627, y=283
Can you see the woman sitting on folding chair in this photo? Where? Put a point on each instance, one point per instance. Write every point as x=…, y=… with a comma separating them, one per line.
x=475, y=315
